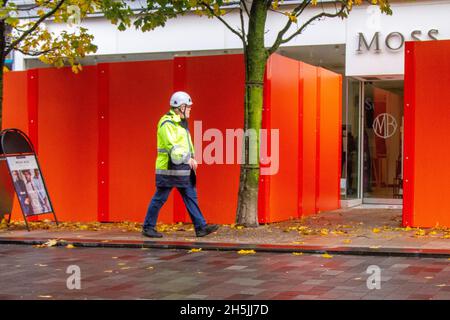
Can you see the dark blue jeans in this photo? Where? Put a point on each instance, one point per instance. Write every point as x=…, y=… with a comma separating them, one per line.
x=189, y=195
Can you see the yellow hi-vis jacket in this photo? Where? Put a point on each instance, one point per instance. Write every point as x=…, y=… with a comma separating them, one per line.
x=175, y=148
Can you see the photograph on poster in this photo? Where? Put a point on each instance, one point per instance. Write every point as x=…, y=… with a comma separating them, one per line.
x=29, y=185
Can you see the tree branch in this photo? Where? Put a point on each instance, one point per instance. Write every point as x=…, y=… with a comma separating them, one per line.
x=35, y=53
x=34, y=27
x=244, y=37
x=222, y=20
x=297, y=11
x=299, y=31
x=245, y=8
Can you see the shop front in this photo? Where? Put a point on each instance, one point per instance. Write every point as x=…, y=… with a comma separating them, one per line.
x=373, y=129
x=372, y=133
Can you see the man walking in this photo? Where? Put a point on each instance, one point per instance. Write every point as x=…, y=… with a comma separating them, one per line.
x=176, y=167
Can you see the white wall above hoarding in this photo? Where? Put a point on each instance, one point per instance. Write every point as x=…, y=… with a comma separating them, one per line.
x=194, y=33
x=408, y=17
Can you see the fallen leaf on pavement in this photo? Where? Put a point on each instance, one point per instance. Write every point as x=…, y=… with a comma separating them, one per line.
x=297, y=253
x=327, y=256
x=246, y=252
x=195, y=250
x=49, y=243
x=420, y=233
x=70, y=246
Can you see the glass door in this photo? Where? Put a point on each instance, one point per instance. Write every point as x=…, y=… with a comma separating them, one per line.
x=382, y=137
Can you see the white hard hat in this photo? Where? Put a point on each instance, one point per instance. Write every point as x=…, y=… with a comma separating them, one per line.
x=179, y=98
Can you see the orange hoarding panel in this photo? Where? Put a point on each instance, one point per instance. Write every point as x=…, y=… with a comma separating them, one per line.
x=329, y=145
x=308, y=115
x=67, y=135
x=15, y=107
x=216, y=85
x=282, y=74
x=96, y=133
x=15, y=113
x=138, y=97
x=427, y=147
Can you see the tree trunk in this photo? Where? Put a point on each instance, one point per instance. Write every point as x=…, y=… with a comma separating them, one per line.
x=255, y=61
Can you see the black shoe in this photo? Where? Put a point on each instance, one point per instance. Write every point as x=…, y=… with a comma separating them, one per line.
x=151, y=233
x=209, y=228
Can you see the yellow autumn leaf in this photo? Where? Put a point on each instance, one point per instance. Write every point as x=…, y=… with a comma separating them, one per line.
x=324, y=232
x=347, y=241
x=70, y=246
x=297, y=253
x=420, y=232
x=375, y=247
x=376, y=230
x=292, y=17
x=246, y=252
x=195, y=250
x=327, y=256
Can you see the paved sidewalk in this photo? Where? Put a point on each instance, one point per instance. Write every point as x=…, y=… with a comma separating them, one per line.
x=29, y=273
x=345, y=231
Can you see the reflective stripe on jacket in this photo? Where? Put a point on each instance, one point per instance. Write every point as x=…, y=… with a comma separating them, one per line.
x=175, y=148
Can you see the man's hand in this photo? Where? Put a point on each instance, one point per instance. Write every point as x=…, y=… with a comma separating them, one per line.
x=193, y=164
